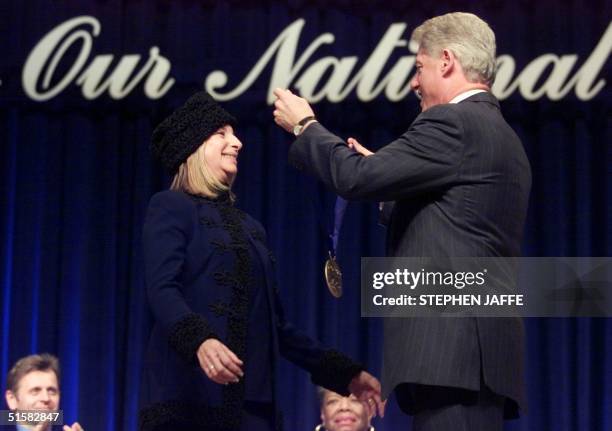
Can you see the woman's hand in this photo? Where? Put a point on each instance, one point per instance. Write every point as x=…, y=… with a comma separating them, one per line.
x=366, y=388
x=355, y=145
x=219, y=363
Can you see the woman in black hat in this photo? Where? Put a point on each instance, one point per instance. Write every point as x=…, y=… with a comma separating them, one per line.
x=210, y=282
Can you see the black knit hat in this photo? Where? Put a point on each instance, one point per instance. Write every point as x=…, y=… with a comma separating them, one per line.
x=179, y=135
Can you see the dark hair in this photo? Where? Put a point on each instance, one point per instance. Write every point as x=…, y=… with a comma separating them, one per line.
x=42, y=362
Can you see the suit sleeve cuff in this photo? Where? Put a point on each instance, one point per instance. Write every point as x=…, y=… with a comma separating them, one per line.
x=335, y=372
x=188, y=334
x=300, y=144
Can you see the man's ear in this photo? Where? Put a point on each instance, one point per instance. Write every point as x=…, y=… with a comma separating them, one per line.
x=11, y=400
x=448, y=62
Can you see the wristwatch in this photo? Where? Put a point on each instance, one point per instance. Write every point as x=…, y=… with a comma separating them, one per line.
x=297, y=129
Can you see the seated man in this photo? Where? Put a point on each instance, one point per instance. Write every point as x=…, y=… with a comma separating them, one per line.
x=340, y=413
x=33, y=384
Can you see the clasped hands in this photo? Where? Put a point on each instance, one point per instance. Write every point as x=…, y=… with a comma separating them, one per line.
x=367, y=389
x=222, y=366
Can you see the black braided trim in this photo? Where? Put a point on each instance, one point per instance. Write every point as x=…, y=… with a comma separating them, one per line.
x=335, y=372
x=209, y=223
x=222, y=199
x=223, y=247
x=221, y=308
x=239, y=278
x=181, y=415
x=188, y=333
x=226, y=278
x=258, y=235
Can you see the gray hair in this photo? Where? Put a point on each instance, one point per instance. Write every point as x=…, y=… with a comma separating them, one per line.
x=321, y=394
x=469, y=38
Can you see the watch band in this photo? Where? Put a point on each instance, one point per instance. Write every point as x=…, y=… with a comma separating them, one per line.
x=305, y=120
x=297, y=129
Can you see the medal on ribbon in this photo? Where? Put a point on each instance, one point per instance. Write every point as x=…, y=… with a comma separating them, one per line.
x=333, y=273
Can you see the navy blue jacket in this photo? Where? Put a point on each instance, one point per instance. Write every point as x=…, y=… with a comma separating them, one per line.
x=204, y=263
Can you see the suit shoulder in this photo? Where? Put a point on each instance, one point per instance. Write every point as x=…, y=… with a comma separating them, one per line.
x=171, y=196
x=170, y=209
x=172, y=201
x=439, y=119
x=446, y=113
x=444, y=110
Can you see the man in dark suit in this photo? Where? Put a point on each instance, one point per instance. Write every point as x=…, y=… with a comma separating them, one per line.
x=460, y=181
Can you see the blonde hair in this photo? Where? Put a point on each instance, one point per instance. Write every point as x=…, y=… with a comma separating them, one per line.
x=467, y=36
x=194, y=177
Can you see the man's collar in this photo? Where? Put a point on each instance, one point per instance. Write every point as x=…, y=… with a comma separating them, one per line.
x=460, y=97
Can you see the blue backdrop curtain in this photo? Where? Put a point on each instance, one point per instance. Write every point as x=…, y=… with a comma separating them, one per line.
x=76, y=176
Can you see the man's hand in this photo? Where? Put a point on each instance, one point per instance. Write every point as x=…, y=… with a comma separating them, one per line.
x=355, y=145
x=75, y=427
x=366, y=388
x=290, y=109
x=219, y=363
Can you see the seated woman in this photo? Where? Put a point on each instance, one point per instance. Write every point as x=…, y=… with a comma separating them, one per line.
x=210, y=278
x=340, y=413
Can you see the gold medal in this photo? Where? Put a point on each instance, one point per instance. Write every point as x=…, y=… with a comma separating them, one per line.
x=333, y=276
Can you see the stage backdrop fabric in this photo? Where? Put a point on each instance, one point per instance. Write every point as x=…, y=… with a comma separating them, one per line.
x=83, y=84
